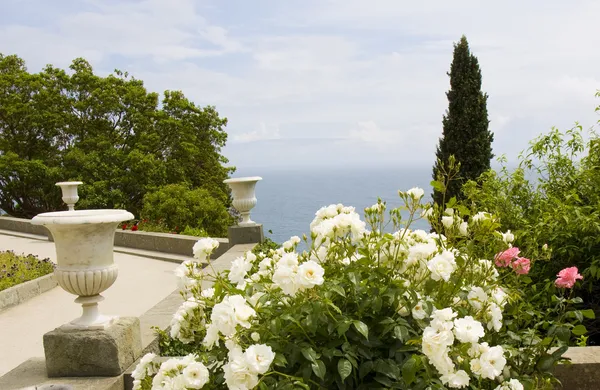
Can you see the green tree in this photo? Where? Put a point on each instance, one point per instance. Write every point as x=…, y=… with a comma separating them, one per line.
x=465, y=125
x=109, y=132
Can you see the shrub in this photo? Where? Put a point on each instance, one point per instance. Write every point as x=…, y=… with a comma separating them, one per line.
x=16, y=269
x=178, y=207
x=363, y=309
x=551, y=203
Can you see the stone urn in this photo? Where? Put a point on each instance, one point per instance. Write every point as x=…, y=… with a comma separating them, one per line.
x=244, y=196
x=84, y=242
x=69, y=192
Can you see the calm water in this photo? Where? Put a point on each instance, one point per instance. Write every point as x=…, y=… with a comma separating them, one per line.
x=288, y=200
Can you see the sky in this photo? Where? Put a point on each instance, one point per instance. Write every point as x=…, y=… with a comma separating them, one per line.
x=313, y=84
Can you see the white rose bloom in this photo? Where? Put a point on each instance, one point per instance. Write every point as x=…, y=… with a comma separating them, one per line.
x=238, y=375
x=477, y=297
x=253, y=300
x=310, y=274
x=418, y=311
x=492, y=362
x=463, y=229
x=287, y=245
x=427, y=213
x=264, y=266
x=255, y=337
x=242, y=311
x=289, y=260
x=212, y=337
x=416, y=193
x=449, y=211
x=508, y=237
x=468, y=330
x=196, y=375
x=442, y=266
x=238, y=271
x=512, y=384
x=447, y=221
x=442, y=362
x=223, y=317
x=456, y=380
x=204, y=247
x=495, y=317
x=208, y=293
x=420, y=252
x=403, y=311
x=285, y=278
x=259, y=358
x=443, y=315
x=480, y=216
x=499, y=296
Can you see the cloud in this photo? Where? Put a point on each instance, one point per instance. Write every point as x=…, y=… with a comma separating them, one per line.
x=366, y=79
x=263, y=133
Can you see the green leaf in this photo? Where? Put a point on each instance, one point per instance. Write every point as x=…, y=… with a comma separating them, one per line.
x=401, y=333
x=579, y=330
x=342, y=328
x=362, y=328
x=438, y=186
x=365, y=368
x=309, y=354
x=409, y=370
x=577, y=300
x=319, y=369
x=280, y=360
x=588, y=313
x=338, y=290
x=301, y=384
x=353, y=279
x=546, y=363
x=344, y=368
x=559, y=352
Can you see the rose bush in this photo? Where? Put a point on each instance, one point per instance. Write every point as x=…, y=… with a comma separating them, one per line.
x=366, y=309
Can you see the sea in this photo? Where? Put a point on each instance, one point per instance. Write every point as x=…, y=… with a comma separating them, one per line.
x=287, y=200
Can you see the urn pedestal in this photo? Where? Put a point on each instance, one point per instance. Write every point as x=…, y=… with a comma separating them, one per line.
x=84, y=242
x=69, y=192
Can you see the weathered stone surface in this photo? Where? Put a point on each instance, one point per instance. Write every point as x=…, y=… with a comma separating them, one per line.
x=164, y=242
x=31, y=375
x=9, y=297
x=23, y=225
x=584, y=371
x=28, y=290
x=93, y=352
x=21, y=292
x=247, y=234
x=47, y=282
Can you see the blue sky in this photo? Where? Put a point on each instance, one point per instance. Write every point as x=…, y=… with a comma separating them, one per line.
x=331, y=82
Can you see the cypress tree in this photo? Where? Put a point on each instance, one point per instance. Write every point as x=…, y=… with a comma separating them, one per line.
x=465, y=125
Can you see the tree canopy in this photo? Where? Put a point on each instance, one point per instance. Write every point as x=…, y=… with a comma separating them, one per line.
x=465, y=125
x=122, y=141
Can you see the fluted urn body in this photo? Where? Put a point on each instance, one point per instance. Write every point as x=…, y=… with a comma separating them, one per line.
x=243, y=190
x=69, y=192
x=84, y=242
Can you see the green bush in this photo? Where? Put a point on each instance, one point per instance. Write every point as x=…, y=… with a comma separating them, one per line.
x=179, y=207
x=551, y=202
x=16, y=269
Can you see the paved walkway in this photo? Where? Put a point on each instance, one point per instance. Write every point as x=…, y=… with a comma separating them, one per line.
x=141, y=284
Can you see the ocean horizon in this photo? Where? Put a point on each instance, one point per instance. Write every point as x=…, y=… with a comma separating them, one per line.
x=288, y=199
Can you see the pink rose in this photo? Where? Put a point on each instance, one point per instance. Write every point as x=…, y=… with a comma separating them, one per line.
x=503, y=259
x=521, y=265
x=567, y=277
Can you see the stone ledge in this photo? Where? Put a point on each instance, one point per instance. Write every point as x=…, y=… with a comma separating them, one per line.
x=23, y=225
x=583, y=372
x=24, y=291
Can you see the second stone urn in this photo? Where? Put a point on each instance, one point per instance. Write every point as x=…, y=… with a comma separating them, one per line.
x=69, y=192
x=84, y=242
x=244, y=196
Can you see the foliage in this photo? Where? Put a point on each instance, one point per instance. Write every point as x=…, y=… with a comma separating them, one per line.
x=194, y=232
x=362, y=309
x=15, y=269
x=122, y=141
x=178, y=206
x=266, y=246
x=465, y=125
x=551, y=202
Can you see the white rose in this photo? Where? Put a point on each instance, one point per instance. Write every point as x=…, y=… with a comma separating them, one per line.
x=492, y=362
x=456, y=380
x=208, y=293
x=195, y=375
x=442, y=266
x=238, y=375
x=238, y=271
x=463, y=228
x=212, y=337
x=223, y=317
x=427, y=213
x=242, y=311
x=499, y=296
x=255, y=337
x=508, y=237
x=447, y=221
x=259, y=358
x=468, y=330
x=310, y=274
x=495, y=317
x=477, y=297
x=416, y=193
x=512, y=384
x=480, y=216
x=418, y=311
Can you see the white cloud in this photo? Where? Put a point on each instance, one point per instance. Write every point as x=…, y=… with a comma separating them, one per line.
x=345, y=72
x=263, y=133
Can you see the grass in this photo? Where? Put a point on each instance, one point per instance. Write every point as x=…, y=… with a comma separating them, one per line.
x=15, y=269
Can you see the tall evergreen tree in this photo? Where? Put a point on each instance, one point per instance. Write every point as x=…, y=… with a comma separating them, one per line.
x=465, y=125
